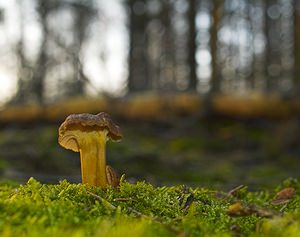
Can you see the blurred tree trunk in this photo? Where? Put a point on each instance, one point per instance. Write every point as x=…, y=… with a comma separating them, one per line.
x=84, y=12
x=79, y=35
x=22, y=63
x=215, y=84
x=22, y=83
x=273, y=45
x=297, y=46
x=268, y=54
x=138, y=79
x=40, y=68
x=250, y=76
x=168, y=60
x=192, y=45
x=131, y=86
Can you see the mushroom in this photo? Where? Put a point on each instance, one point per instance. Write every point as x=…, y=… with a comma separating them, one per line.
x=87, y=134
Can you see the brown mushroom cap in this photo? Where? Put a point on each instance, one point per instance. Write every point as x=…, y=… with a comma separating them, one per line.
x=85, y=123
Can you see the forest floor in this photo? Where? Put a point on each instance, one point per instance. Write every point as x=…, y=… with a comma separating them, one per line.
x=166, y=142
x=217, y=175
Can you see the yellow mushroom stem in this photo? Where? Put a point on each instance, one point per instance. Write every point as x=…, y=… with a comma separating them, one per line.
x=91, y=146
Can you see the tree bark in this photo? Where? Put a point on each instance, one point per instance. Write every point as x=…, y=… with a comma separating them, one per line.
x=22, y=63
x=37, y=84
x=297, y=46
x=215, y=83
x=192, y=45
x=83, y=16
x=138, y=78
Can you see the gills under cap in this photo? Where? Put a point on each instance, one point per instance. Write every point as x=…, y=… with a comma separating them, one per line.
x=87, y=122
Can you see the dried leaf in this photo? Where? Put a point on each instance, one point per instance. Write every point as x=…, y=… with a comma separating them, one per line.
x=265, y=213
x=284, y=196
x=237, y=209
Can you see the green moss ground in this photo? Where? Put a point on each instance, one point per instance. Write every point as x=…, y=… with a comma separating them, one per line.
x=65, y=209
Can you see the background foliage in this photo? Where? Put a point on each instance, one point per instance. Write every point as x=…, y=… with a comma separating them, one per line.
x=170, y=45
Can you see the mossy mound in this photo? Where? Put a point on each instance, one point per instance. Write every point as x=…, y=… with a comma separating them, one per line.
x=65, y=209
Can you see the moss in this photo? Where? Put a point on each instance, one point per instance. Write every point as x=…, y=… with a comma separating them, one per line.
x=140, y=209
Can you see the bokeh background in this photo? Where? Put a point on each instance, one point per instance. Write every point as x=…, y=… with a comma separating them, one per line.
x=205, y=91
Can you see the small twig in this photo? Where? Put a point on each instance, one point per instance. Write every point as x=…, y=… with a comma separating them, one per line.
x=190, y=199
x=102, y=200
x=138, y=214
x=154, y=219
x=283, y=207
x=135, y=212
x=233, y=191
x=123, y=199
